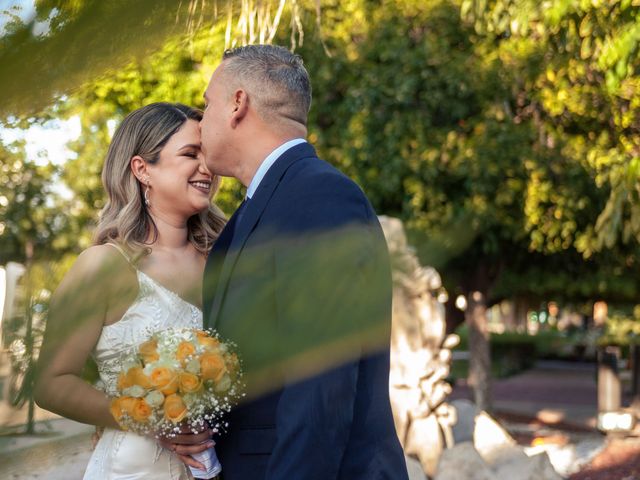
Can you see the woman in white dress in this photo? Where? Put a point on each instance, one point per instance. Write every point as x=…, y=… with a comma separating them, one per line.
x=143, y=274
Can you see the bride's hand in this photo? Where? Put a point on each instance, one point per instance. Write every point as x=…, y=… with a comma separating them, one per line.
x=187, y=444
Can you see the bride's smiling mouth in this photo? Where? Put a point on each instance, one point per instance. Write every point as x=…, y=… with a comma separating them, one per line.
x=203, y=186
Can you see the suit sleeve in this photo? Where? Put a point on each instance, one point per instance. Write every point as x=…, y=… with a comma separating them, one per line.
x=332, y=296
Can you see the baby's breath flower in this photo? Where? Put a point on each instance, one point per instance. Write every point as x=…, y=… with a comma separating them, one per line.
x=199, y=409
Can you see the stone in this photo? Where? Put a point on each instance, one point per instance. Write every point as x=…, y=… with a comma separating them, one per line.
x=492, y=441
x=420, y=353
x=542, y=469
x=518, y=466
x=415, y=469
x=463, y=462
x=465, y=421
x=425, y=442
x=572, y=457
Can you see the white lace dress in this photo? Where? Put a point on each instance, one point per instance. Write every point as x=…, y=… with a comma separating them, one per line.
x=124, y=455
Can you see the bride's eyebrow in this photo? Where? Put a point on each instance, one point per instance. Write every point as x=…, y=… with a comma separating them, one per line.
x=189, y=146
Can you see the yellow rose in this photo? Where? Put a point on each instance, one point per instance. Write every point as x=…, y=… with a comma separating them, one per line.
x=136, y=376
x=189, y=383
x=174, y=408
x=165, y=380
x=149, y=351
x=207, y=341
x=115, y=408
x=185, y=349
x=121, y=405
x=212, y=366
x=124, y=381
x=127, y=404
x=141, y=410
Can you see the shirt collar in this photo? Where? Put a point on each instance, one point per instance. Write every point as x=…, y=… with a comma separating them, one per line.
x=267, y=162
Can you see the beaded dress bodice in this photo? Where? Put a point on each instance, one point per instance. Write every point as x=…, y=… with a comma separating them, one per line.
x=124, y=455
x=156, y=308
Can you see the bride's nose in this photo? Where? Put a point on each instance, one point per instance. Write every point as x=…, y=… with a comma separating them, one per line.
x=202, y=166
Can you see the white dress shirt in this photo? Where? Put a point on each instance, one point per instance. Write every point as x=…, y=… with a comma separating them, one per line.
x=266, y=164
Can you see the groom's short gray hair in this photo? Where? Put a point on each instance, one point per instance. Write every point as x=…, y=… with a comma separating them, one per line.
x=275, y=79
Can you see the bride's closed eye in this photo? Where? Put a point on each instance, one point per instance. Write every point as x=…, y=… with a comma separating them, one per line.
x=189, y=150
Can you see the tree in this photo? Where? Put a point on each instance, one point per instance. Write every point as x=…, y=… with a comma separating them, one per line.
x=70, y=42
x=583, y=91
x=504, y=133
x=443, y=123
x=29, y=207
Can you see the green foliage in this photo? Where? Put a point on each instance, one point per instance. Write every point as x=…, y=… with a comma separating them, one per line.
x=513, y=352
x=30, y=212
x=72, y=39
x=622, y=329
x=503, y=132
x=457, y=124
x=585, y=97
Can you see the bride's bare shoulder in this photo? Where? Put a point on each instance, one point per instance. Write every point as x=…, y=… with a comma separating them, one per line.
x=102, y=262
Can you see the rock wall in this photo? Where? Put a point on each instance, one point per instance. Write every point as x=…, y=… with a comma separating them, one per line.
x=420, y=354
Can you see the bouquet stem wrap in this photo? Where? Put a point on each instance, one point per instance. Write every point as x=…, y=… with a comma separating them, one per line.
x=209, y=459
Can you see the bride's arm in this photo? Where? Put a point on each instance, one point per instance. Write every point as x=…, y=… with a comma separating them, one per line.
x=96, y=290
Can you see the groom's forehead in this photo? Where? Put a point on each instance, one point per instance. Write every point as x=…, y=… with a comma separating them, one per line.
x=216, y=80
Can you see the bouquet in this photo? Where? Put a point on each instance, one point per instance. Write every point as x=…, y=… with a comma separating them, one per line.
x=180, y=376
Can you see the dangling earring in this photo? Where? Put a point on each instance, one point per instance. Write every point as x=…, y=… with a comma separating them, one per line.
x=146, y=193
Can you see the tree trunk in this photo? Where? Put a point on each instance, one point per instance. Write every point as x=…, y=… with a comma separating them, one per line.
x=521, y=308
x=480, y=359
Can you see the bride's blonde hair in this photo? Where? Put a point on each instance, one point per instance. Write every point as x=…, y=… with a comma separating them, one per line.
x=125, y=218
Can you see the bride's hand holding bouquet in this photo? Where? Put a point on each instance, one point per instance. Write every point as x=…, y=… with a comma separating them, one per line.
x=179, y=380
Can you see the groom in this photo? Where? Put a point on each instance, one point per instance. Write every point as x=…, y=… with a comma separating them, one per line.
x=300, y=280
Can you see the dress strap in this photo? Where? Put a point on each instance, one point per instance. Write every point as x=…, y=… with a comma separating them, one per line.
x=121, y=250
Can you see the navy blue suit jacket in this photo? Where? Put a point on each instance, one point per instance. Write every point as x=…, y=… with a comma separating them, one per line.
x=301, y=282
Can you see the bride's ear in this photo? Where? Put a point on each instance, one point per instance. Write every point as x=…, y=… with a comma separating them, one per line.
x=139, y=169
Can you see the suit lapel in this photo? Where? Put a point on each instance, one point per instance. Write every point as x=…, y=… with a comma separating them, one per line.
x=252, y=213
x=213, y=267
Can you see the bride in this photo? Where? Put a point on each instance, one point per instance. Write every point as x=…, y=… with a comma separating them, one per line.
x=143, y=274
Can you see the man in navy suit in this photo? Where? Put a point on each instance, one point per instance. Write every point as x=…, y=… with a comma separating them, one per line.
x=300, y=280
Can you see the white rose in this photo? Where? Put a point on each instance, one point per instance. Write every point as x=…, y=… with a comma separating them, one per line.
x=193, y=366
x=154, y=399
x=135, y=391
x=224, y=384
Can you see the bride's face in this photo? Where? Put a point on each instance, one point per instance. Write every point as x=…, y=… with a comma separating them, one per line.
x=180, y=182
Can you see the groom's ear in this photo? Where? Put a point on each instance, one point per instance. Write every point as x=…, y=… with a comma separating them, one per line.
x=240, y=107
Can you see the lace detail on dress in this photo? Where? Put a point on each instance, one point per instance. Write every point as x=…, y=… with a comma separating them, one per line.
x=120, y=455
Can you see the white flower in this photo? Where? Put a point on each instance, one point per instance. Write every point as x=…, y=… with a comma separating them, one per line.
x=193, y=366
x=154, y=399
x=135, y=391
x=224, y=384
x=129, y=363
x=190, y=400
